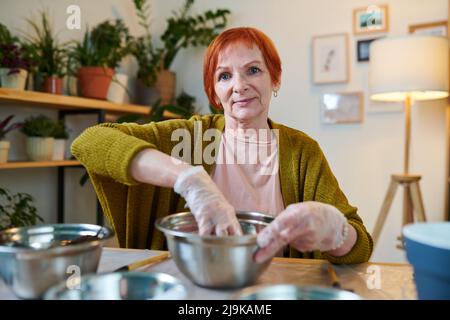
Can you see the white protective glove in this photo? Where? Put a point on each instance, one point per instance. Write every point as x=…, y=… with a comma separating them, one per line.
x=213, y=213
x=307, y=226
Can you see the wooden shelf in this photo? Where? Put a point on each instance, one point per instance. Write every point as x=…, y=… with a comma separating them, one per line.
x=60, y=102
x=38, y=164
x=74, y=104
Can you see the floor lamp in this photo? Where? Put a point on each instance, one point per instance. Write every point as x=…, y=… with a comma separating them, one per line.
x=407, y=69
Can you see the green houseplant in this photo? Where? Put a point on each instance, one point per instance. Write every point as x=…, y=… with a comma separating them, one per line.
x=6, y=37
x=94, y=59
x=48, y=55
x=39, y=130
x=60, y=134
x=17, y=210
x=14, y=61
x=183, y=31
x=4, y=129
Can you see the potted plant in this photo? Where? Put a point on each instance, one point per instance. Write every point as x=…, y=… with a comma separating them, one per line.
x=182, y=31
x=94, y=59
x=4, y=129
x=60, y=134
x=48, y=55
x=39, y=144
x=14, y=62
x=17, y=210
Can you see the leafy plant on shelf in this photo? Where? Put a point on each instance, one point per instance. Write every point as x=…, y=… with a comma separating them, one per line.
x=4, y=128
x=17, y=210
x=12, y=54
x=48, y=55
x=184, y=108
x=38, y=126
x=104, y=46
x=14, y=58
x=60, y=130
x=6, y=37
x=183, y=30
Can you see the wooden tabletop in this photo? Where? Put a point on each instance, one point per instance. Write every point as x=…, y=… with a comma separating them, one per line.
x=369, y=280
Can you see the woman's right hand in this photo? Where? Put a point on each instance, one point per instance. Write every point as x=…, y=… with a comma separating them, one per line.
x=213, y=213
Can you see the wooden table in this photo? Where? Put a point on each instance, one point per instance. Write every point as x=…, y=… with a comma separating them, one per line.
x=369, y=280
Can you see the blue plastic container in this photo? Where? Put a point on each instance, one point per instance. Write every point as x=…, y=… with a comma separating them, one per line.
x=428, y=251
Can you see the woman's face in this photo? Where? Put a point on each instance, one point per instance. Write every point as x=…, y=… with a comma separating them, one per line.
x=242, y=83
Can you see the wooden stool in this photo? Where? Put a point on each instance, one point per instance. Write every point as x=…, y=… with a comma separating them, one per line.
x=412, y=203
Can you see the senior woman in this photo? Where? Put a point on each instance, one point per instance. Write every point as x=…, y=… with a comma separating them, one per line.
x=138, y=178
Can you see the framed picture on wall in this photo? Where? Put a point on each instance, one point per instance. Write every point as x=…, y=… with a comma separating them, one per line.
x=330, y=58
x=438, y=28
x=342, y=107
x=371, y=19
x=363, y=49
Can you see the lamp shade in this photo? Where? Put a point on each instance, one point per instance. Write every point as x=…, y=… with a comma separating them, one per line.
x=414, y=65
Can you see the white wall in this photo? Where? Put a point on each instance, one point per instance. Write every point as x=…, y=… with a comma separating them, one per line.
x=362, y=156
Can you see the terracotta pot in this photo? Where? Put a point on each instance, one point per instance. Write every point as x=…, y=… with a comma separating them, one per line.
x=53, y=85
x=166, y=85
x=94, y=82
x=145, y=95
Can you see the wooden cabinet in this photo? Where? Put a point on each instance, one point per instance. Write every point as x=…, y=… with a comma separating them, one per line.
x=64, y=105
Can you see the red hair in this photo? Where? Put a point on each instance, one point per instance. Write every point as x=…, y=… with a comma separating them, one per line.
x=248, y=36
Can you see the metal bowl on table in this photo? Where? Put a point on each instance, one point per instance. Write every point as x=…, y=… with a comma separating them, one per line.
x=32, y=259
x=120, y=286
x=295, y=292
x=212, y=261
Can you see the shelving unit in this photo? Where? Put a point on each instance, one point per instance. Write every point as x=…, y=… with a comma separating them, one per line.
x=60, y=102
x=38, y=164
x=65, y=105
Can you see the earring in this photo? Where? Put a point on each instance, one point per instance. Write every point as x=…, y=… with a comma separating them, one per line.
x=275, y=94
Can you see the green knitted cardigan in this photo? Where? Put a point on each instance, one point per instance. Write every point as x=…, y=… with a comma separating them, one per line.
x=106, y=151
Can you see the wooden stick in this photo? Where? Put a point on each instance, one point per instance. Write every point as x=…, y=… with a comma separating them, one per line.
x=335, y=283
x=145, y=262
x=408, y=103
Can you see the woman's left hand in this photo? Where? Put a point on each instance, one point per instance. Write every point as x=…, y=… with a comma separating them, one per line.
x=307, y=226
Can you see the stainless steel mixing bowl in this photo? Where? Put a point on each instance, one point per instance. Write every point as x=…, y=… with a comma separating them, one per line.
x=34, y=258
x=211, y=261
x=121, y=286
x=294, y=292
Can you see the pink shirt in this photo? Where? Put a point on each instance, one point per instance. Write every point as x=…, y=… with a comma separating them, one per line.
x=246, y=171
